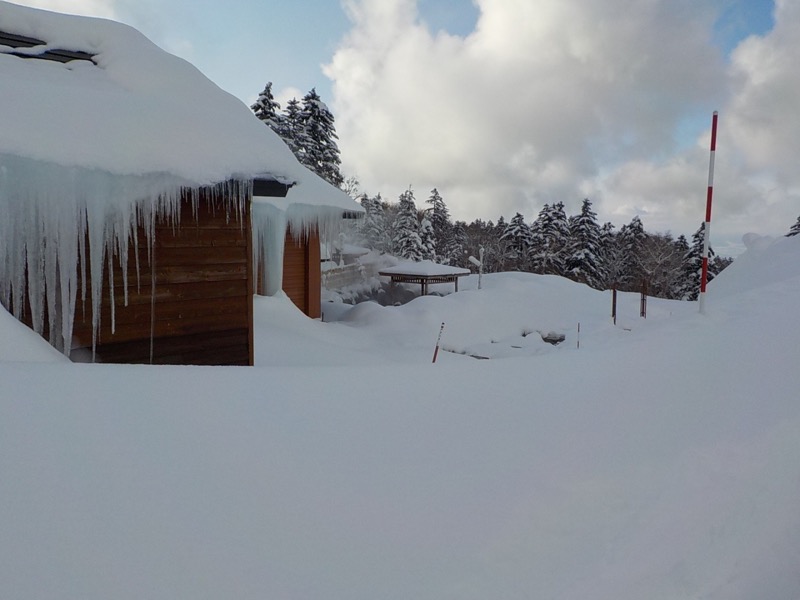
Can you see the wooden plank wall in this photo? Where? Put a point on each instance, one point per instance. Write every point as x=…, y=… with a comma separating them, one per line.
x=194, y=296
x=302, y=277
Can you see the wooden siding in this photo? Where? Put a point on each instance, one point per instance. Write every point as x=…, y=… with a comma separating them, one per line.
x=190, y=303
x=302, y=278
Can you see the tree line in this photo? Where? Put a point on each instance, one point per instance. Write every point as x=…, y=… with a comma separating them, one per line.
x=575, y=246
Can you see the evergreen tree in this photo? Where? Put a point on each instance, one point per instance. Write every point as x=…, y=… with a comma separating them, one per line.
x=584, y=262
x=550, y=234
x=456, y=252
x=693, y=266
x=631, y=241
x=321, y=153
x=406, y=242
x=439, y=217
x=428, y=239
x=795, y=229
x=499, y=252
x=678, y=289
x=518, y=239
x=266, y=109
x=611, y=255
x=291, y=128
x=373, y=226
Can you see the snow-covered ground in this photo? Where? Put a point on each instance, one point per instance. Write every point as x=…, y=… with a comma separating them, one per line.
x=659, y=460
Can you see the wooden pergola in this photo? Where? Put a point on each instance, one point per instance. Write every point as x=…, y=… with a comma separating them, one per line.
x=424, y=273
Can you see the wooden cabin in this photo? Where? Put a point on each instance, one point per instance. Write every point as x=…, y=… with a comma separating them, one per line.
x=126, y=235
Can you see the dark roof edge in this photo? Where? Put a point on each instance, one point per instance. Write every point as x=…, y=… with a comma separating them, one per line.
x=13, y=40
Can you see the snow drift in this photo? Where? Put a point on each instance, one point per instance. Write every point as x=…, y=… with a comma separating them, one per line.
x=659, y=462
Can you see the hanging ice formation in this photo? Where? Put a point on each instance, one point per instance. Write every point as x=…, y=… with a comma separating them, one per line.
x=271, y=218
x=61, y=227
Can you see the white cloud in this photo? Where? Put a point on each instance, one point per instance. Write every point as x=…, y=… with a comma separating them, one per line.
x=560, y=99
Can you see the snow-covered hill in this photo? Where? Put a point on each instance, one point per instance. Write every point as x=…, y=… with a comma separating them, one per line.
x=660, y=460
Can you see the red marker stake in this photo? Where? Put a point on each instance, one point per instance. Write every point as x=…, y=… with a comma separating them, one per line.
x=439, y=339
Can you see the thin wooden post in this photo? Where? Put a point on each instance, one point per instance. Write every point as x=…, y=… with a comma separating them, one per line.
x=643, y=301
x=614, y=304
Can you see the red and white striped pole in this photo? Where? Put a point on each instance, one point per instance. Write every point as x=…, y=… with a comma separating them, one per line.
x=438, y=341
x=707, y=225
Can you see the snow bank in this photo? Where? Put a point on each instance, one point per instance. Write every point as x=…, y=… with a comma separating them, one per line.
x=19, y=344
x=766, y=261
x=660, y=462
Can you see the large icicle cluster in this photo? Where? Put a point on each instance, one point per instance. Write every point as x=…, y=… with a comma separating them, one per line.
x=63, y=227
x=271, y=218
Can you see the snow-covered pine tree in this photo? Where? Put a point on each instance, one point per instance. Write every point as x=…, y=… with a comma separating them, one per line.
x=693, y=266
x=266, y=109
x=406, y=242
x=291, y=128
x=550, y=233
x=631, y=240
x=676, y=289
x=518, y=239
x=560, y=239
x=795, y=229
x=373, y=227
x=321, y=153
x=428, y=239
x=611, y=255
x=439, y=217
x=538, y=251
x=584, y=262
x=456, y=251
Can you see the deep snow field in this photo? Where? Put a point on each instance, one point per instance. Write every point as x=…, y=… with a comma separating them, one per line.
x=660, y=460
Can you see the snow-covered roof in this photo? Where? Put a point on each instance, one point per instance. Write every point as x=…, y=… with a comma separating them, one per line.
x=424, y=268
x=133, y=110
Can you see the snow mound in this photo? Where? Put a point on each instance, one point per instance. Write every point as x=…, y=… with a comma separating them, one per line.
x=766, y=261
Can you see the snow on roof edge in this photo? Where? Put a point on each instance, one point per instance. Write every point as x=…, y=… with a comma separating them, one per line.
x=127, y=112
x=115, y=114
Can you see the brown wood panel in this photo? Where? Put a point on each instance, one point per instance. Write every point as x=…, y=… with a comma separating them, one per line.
x=314, y=277
x=141, y=294
x=202, y=293
x=229, y=348
x=202, y=290
x=302, y=278
x=295, y=270
x=186, y=310
x=192, y=237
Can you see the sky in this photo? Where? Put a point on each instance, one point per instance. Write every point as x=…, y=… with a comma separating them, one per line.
x=505, y=105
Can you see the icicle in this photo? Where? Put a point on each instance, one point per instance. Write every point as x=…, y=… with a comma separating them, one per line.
x=35, y=266
x=152, y=303
x=269, y=231
x=82, y=260
x=54, y=218
x=110, y=256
